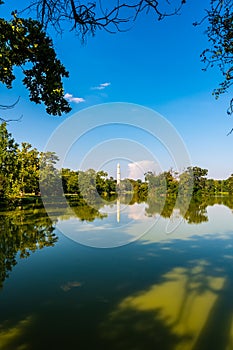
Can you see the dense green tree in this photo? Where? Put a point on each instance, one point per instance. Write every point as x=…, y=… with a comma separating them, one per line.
x=28, y=176
x=219, y=186
x=210, y=186
x=3, y=184
x=199, y=179
x=87, y=185
x=140, y=188
x=172, y=183
x=50, y=179
x=157, y=184
x=214, y=187
x=111, y=185
x=143, y=190
x=24, y=44
x=9, y=165
x=101, y=183
x=224, y=188
x=186, y=183
x=72, y=182
x=193, y=180
x=65, y=173
x=19, y=168
x=229, y=184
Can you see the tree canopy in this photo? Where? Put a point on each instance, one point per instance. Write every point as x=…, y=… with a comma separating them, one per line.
x=24, y=42
x=220, y=37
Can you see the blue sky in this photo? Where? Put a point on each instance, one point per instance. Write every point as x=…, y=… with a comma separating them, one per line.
x=156, y=65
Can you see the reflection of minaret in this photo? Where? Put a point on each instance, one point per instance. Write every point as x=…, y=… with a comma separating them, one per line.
x=118, y=174
x=118, y=210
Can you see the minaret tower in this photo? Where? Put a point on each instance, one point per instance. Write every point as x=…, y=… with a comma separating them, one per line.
x=118, y=174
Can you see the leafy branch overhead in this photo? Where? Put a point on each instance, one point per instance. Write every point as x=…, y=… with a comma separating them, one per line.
x=220, y=37
x=24, y=44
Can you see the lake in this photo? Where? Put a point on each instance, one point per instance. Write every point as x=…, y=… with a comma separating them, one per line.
x=119, y=275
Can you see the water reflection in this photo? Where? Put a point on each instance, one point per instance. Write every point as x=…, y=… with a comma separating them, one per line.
x=153, y=206
x=23, y=231
x=171, y=294
x=27, y=228
x=189, y=305
x=125, y=220
x=197, y=209
x=175, y=295
x=179, y=306
x=118, y=210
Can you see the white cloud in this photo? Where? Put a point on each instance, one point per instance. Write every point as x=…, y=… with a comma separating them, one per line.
x=101, y=86
x=136, y=212
x=137, y=170
x=71, y=98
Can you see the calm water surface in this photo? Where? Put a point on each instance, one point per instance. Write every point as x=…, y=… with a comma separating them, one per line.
x=171, y=287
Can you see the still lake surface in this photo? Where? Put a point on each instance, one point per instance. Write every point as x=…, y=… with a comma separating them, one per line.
x=117, y=276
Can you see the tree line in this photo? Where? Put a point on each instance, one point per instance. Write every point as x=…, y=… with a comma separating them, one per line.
x=25, y=170
x=20, y=166
x=192, y=181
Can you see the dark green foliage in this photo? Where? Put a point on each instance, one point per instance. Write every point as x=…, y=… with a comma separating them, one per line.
x=220, y=37
x=19, y=168
x=101, y=183
x=9, y=167
x=50, y=179
x=139, y=188
x=163, y=183
x=24, y=44
x=34, y=232
x=111, y=185
x=70, y=181
x=3, y=184
x=229, y=185
x=195, y=178
x=28, y=159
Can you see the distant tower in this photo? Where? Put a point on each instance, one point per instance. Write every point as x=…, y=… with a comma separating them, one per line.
x=118, y=174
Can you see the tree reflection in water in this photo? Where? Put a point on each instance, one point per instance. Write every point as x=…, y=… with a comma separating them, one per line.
x=175, y=294
x=28, y=227
x=197, y=208
x=23, y=231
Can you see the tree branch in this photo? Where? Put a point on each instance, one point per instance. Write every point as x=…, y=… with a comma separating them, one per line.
x=86, y=18
x=4, y=107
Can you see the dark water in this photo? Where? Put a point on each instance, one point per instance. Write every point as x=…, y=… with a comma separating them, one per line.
x=165, y=283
